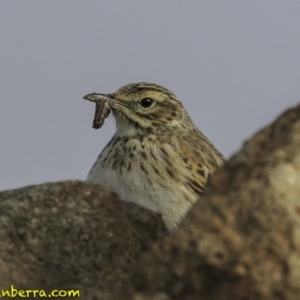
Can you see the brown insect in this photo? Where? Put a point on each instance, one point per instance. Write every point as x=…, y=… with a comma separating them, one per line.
x=102, y=108
x=101, y=113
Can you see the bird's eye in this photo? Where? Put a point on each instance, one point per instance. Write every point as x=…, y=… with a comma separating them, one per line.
x=146, y=102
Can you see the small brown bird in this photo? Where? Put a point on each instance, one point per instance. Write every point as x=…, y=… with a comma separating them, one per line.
x=157, y=158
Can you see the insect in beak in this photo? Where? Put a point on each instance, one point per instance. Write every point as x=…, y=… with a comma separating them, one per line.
x=102, y=107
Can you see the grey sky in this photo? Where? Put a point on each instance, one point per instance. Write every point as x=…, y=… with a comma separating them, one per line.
x=234, y=64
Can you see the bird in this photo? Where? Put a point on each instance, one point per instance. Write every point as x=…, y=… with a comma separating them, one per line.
x=157, y=158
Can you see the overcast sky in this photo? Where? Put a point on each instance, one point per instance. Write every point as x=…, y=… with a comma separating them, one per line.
x=235, y=65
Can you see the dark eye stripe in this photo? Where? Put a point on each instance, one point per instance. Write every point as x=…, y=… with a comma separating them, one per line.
x=146, y=116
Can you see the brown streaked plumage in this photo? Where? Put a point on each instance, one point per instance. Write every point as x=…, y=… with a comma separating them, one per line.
x=157, y=158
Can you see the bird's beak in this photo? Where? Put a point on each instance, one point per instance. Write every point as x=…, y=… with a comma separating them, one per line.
x=108, y=98
x=94, y=97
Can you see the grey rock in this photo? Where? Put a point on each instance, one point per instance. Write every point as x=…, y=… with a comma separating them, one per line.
x=71, y=235
x=242, y=240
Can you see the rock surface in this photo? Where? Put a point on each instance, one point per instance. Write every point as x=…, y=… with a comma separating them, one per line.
x=71, y=234
x=242, y=240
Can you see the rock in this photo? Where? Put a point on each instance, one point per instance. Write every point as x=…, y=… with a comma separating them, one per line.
x=71, y=234
x=242, y=239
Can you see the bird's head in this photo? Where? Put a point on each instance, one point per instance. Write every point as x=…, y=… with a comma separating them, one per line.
x=143, y=106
